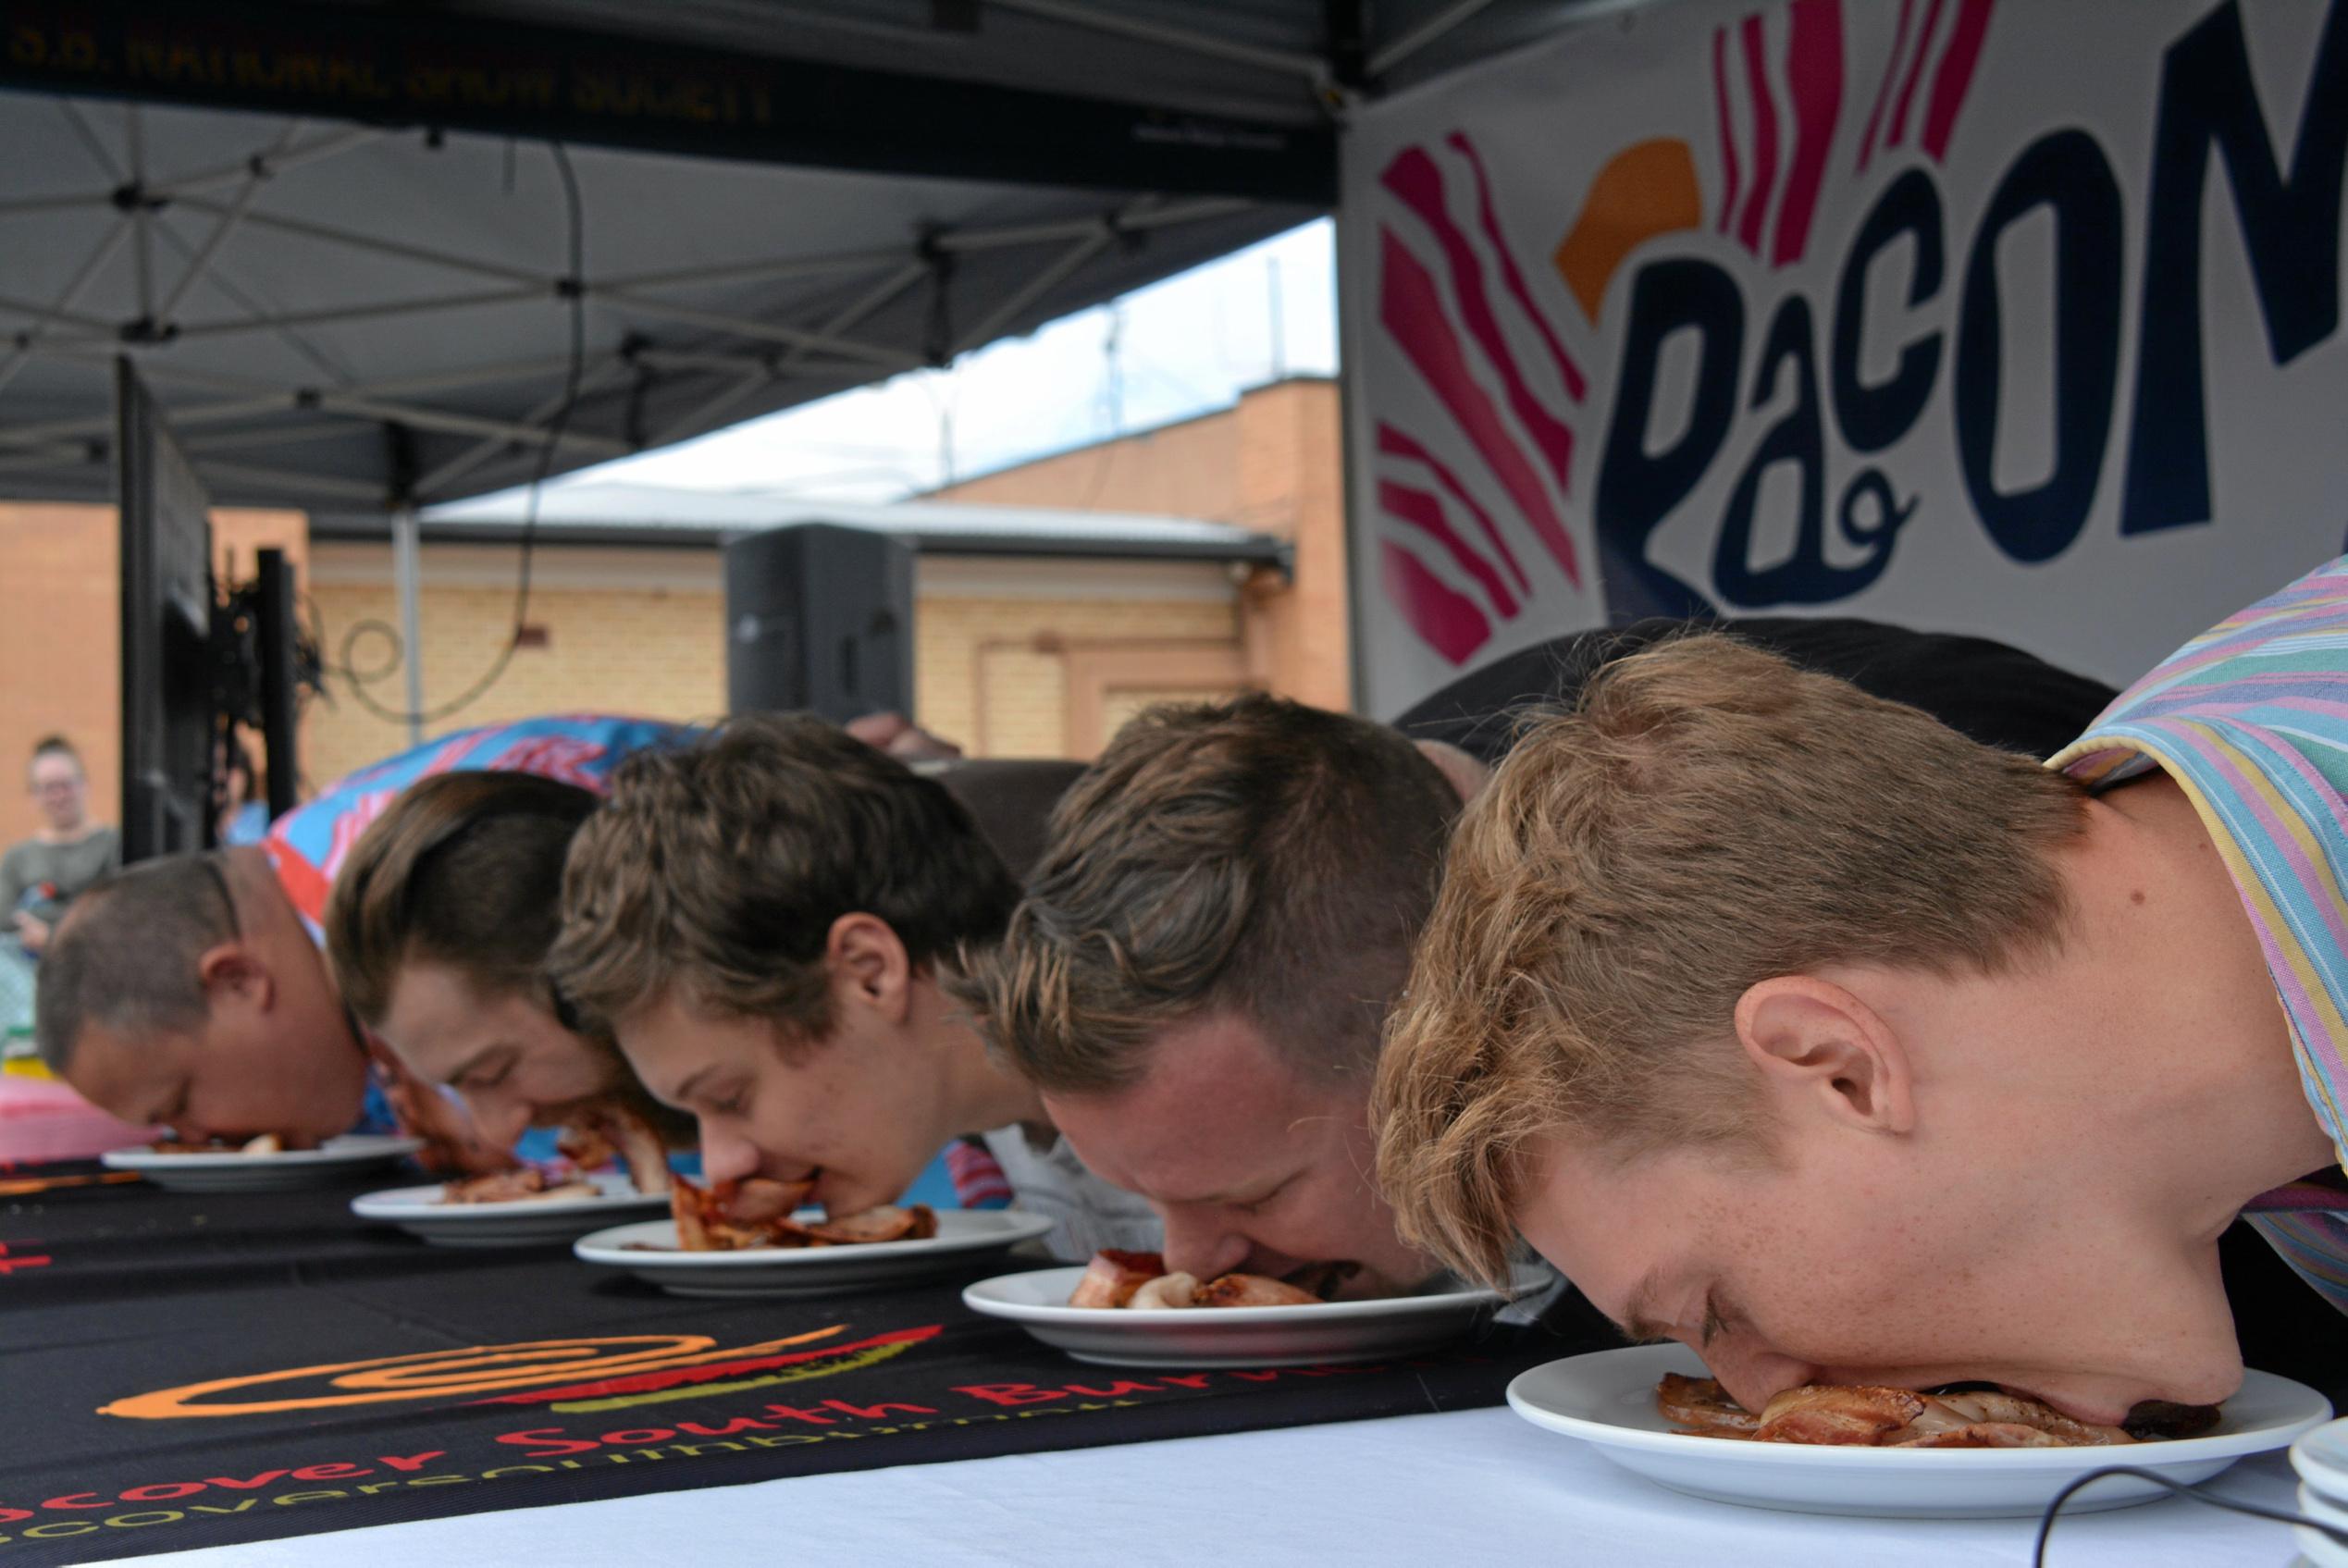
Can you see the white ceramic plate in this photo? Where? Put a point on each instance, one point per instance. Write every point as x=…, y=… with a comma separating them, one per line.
x=1608, y=1398
x=338, y=1158
x=1206, y=1338
x=2315, y=1545
x=965, y=1237
x=2321, y=1459
x=421, y=1211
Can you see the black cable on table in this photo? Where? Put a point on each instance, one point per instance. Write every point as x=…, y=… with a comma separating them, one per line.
x=2231, y=1505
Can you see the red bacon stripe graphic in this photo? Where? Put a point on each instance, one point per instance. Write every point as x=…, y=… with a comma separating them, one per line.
x=1730, y=176
x=1915, y=72
x=1423, y=512
x=1414, y=179
x=1764, y=112
x=1446, y=620
x=1576, y=388
x=1883, y=86
x=1411, y=309
x=1954, y=80
x=1814, y=73
x=1396, y=443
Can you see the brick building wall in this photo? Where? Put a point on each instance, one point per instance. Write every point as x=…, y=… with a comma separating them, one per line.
x=1012, y=658
x=60, y=635
x=1274, y=463
x=642, y=631
x=625, y=632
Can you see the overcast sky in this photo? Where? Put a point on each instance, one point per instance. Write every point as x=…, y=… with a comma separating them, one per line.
x=1188, y=344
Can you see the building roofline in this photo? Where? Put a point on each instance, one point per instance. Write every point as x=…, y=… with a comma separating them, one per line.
x=1142, y=434
x=1260, y=549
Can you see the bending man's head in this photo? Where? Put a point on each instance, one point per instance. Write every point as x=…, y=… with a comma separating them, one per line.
x=761, y=919
x=183, y=992
x=1750, y=1000
x=1198, y=974
x=438, y=929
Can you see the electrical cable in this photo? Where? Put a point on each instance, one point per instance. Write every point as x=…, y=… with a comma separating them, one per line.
x=574, y=290
x=2232, y=1505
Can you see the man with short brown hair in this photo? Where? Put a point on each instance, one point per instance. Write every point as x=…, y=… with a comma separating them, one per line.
x=766, y=919
x=1222, y=919
x=1795, y=1028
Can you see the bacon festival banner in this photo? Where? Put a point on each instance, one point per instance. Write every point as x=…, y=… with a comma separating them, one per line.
x=181, y=1371
x=2019, y=319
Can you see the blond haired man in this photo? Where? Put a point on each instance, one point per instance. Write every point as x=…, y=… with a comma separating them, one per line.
x=1794, y=1026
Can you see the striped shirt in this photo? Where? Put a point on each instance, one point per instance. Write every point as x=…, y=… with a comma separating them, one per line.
x=307, y=845
x=2250, y=719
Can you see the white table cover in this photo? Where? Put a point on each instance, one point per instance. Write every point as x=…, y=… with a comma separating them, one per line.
x=1465, y=1491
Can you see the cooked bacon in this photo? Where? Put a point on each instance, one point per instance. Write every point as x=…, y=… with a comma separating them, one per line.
x=1700, y=1407
x=734, y=1216
x=1984, y=1435
x=1251, y=1291
x=1166, y=1291
x=223, y=1143
x=1826, y=1414
x=1116, y=1278
x=1113, y=1275
x=607, y=1130
x=1879, y=1417
x=513, y=1186
x=1994, y=1407
x=884, y=1223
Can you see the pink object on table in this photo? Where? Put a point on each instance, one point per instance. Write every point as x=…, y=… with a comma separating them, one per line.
x=43, y=1119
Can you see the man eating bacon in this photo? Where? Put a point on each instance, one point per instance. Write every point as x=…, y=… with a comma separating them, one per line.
x=1795, y=1027
x=1198, y=975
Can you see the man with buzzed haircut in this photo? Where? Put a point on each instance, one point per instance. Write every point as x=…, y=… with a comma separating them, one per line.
x=190, y=992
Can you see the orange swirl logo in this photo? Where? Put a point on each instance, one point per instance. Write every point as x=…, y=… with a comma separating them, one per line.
x=621, y=1368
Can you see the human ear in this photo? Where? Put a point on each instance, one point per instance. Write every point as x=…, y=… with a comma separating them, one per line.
x=1820, y=1048
x=869, y=965
x=232, y=971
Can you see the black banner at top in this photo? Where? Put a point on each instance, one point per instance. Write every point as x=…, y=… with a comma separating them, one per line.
x=356, y=64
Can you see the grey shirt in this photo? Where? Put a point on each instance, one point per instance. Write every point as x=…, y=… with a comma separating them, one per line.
x=1087, y=1214
x=54, y=873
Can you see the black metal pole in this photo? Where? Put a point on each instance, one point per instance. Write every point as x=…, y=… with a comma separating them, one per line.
x=276, y=629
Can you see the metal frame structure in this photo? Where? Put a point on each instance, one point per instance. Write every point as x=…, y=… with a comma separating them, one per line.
x=1174, y=127
x=738, y=356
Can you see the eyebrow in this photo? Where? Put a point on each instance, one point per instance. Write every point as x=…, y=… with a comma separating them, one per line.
x=466, y=1067
x=1223, y=1195
x=685, y=1091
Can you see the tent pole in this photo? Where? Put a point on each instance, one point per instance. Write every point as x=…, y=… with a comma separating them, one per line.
x=406, y=567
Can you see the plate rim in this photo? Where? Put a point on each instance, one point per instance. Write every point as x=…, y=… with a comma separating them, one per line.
x=382, y=1146
x=595, y=1247
x=1063, y=1315
x=386, y=1210
x=2228, y=1446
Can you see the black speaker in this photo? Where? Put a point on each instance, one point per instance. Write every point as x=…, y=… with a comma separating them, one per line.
x=819, y=618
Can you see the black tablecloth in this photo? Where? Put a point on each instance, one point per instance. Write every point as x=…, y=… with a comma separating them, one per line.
x=181, y=1371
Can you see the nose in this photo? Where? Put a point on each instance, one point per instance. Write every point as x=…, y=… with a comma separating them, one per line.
x=1200, y=1241
x=1754, y=1374
x=727, y=1156
x=500, y=1119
